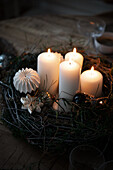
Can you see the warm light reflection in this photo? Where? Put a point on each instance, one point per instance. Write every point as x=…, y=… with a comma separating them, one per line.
x=49, y=50
x=92, y=23
x=101, y=102
x=74, y=50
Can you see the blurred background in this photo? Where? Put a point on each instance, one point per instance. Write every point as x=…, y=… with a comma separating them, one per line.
x=15, y=8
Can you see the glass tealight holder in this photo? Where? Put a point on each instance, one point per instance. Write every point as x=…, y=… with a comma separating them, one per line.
x=85, y=157
x=107, y=165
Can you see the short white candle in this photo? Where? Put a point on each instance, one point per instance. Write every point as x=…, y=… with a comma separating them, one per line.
x=69, y=78
x=91, y=82
x=75, y=56
x=48, y=69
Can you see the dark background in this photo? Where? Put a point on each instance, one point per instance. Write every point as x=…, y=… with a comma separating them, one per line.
x=16, y=8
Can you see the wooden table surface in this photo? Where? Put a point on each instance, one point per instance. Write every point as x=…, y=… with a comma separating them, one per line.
x=39, y=31
x=32, y=34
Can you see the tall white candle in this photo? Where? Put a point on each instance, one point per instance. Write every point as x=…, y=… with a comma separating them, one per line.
x=69, y=77
x=75, y=56
x=48, y=69
x=91, y=82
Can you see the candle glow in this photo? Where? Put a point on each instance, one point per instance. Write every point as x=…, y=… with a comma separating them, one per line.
x=92, y=70
x=49, y=50
x=74, y=50
x=91, y=82
x=75, y=56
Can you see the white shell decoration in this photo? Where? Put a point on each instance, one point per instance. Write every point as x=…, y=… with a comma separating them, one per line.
x=26, y=80
x=31, y=104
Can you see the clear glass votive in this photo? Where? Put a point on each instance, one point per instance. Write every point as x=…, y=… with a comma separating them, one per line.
x=85, y=157
x=107, y=165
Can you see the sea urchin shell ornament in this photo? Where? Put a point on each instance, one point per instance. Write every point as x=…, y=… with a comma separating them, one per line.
x=26, y=80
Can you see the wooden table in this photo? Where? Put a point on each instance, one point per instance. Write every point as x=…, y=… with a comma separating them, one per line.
x=32, y=34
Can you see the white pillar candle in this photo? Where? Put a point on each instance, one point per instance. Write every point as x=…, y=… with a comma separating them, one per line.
x=91, y=82
x=69, y=77
x=48, y=69
x=75, y=56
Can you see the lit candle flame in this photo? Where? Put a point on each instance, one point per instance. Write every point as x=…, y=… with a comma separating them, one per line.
x=49, y=50
x=92, y=70
x=74, y=50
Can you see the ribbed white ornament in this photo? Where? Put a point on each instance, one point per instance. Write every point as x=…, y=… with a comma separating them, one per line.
x=26, y=80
